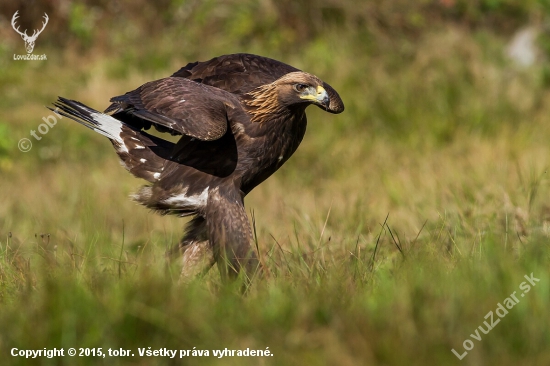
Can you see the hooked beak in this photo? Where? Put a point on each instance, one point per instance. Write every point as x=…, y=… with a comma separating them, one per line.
x=319, y=96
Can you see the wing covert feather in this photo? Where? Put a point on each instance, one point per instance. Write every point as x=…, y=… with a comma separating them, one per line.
x=237, y=73
x=179, y=105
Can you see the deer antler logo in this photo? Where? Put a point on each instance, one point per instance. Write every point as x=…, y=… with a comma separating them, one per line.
x=29, y=41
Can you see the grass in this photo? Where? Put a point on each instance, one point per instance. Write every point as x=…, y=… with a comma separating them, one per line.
x=388, y=237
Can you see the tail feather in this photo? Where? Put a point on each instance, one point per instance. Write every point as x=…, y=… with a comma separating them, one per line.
x=142, y=154
x=89, y=117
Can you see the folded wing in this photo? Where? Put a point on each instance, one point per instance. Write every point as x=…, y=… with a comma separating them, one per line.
x=178, y=106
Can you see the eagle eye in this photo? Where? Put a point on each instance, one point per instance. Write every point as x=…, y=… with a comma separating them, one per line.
x=300, y=87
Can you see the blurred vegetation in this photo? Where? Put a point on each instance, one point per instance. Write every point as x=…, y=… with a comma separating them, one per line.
x=389, y=235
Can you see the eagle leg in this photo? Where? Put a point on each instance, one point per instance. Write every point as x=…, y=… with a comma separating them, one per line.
x=230, y=233
x=198, y=256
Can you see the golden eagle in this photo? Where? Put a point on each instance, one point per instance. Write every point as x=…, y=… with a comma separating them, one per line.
x=240, y=118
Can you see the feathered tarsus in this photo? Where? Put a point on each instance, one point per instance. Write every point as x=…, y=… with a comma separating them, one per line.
x=240, y=118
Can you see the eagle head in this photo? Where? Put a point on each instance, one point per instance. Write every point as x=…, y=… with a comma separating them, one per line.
x=301, y=88
x=295, y=89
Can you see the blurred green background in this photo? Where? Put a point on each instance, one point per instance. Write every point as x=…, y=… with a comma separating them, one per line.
x=396, y=227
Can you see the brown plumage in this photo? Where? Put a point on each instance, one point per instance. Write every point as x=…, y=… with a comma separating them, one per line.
x=240, y=118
